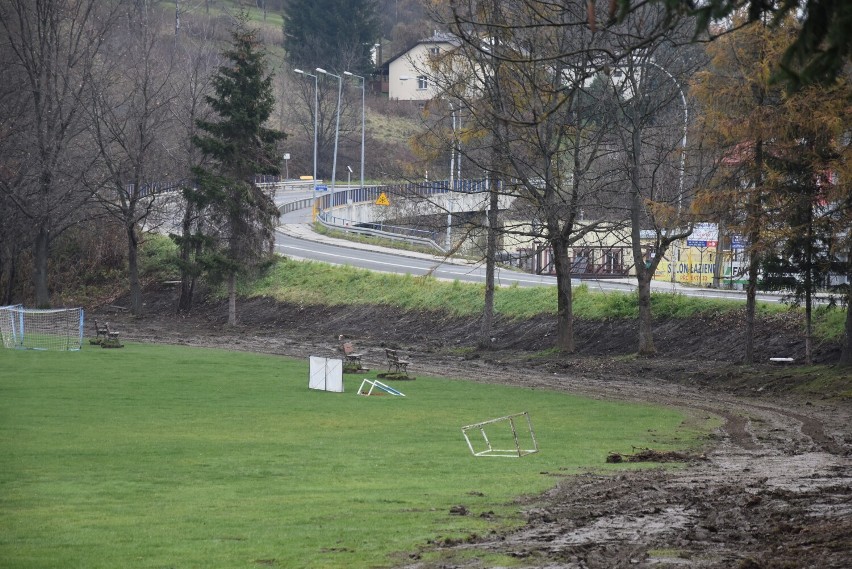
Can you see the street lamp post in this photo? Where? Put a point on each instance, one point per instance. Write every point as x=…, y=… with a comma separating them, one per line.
x=316, y=115
x=454, y=150
x=682, y=153
x=683, y=144
x=336, y=125
x=685, y=130
x=363, y=124
x=453, y=146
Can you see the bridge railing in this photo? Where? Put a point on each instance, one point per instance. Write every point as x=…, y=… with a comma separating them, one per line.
x=371, y=193
x=352, y=196
x=326, y=202
x=383, y=230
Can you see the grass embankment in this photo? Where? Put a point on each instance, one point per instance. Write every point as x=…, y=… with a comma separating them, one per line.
x=306, y=282
x=154, y=456
x=319, y=283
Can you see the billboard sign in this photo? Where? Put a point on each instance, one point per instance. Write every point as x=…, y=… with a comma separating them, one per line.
x=704, y=235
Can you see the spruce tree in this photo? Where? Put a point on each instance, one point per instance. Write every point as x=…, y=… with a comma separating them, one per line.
x=238, y=147
x=334, y=34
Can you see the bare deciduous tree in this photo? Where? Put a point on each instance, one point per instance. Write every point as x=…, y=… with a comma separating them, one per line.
x=528, y=87
x=130, y=117
x=53, y=45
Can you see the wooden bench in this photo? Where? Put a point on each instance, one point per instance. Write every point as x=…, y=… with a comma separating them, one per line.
x=395, y=363
x=112, y=334
x=350, y=356
x=106, y=336
x=101, y=331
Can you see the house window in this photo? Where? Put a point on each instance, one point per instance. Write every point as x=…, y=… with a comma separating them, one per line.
x=422, y=83
x=434, y=51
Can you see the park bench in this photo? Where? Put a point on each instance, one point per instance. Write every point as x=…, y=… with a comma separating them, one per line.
x=395, y=363
x=106, y=336
x=351, y=358
x=101, y=331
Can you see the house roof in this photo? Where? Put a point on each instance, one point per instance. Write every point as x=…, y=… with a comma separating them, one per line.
x=437, y=37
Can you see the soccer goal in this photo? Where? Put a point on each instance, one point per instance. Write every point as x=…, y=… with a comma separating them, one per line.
x=500, y=437
x=58, y=329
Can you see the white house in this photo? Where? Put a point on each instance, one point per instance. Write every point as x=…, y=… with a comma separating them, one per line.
x=407, y=73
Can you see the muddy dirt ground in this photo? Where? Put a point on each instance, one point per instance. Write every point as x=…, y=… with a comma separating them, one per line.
x=772, y=490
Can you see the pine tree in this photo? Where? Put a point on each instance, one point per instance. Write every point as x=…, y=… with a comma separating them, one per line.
x=334, y=34
x=242, y=216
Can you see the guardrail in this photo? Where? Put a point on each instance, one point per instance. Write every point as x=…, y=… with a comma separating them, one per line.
x=296, y=205
x=393, y=232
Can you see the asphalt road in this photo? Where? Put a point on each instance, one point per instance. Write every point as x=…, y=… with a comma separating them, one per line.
x=394, y=262
x=295, y=239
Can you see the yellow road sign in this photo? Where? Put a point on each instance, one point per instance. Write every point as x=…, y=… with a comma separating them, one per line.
x=383, y=199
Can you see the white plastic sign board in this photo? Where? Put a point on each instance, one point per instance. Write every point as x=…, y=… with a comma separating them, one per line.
x=326, y=374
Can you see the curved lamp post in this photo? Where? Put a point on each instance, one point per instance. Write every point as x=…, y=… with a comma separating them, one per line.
x=683, y=140
x=682, y=151
x=336, y=125
x=685, y=130
x=363, y=130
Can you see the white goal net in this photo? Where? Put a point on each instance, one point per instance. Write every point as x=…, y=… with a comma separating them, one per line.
x=59, y=329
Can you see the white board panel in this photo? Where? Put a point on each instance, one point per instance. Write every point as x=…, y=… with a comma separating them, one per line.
x=326, y=374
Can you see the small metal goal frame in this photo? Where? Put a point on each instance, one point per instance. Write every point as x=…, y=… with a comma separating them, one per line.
x=489, y=449
x=378, y=385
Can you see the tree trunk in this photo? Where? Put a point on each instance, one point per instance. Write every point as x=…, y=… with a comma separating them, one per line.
x=133, y=271
x=42, y=249
x=643, y=280
x=187, y=281
x=187, y=286
x=490, y=254
x=717, y=267
x=232, y=298
x=846, y=353
x=10, y=282
x=753, y=217
x=646, y=328
x=643, y=275
x=809, y=285
x=751, y=302
x=564, y=301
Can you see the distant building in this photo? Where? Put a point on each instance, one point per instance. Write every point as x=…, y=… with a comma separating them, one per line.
x=406, y=76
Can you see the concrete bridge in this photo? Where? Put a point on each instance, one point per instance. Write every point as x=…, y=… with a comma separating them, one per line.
x=375, y=210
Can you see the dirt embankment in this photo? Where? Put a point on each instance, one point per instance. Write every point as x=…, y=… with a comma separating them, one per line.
x=773, y=489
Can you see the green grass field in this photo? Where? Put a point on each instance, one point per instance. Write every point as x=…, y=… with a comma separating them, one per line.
x=153, y=457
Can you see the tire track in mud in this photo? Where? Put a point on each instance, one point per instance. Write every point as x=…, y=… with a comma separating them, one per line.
x=735, y=425
x=810, y=427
